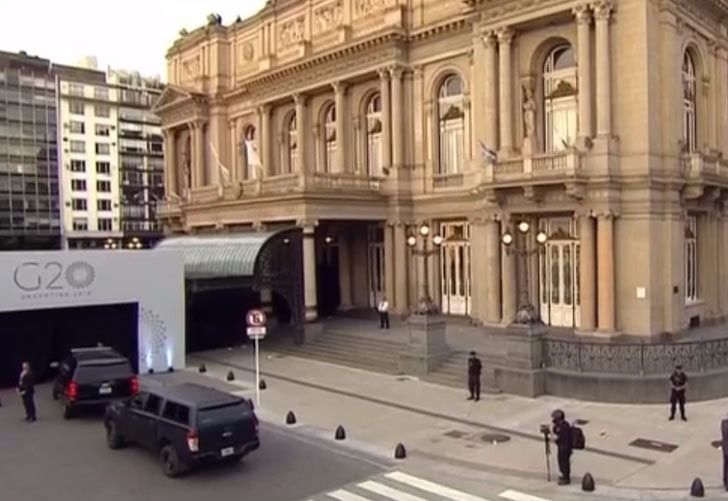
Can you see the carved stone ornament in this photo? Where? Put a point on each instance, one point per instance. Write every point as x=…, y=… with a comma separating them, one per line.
x=191, y=67
x=248, y=51
x=291, y=32
x=327, y=17
x=366, y=7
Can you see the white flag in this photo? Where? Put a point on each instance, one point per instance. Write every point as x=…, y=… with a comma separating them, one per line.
x=224, y=171
x=253, y=159
x=487, y=154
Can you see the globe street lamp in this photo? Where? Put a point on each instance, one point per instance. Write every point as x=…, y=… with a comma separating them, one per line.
x=526, y=313
x=425, y=306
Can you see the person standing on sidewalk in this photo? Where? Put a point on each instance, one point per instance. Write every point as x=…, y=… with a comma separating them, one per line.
x=26, y=389
x=475, y=368
x=564, y=445
x=678, y=382
x=724, y=447
x=383, y=310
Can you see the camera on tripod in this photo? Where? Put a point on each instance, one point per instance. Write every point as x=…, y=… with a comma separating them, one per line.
x=545, y=429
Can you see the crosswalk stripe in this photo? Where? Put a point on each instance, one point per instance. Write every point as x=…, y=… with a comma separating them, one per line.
x=428, y=486
x=343, y=495
x=519, y=496
x=388, y=492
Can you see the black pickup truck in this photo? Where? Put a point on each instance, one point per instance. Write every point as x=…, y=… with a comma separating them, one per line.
x=185, y=425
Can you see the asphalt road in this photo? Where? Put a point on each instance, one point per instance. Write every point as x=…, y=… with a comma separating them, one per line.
x=69, y=461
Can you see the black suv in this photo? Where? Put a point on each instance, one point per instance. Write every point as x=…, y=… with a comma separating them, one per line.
x=93, y=377
x=185, y=425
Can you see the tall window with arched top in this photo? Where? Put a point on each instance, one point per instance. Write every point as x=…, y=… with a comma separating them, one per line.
x=330, y=138
x=292, y=146
x=690, y=122
x=374, y=135
x=559, y=98
x=451, y=119
x=250, y=153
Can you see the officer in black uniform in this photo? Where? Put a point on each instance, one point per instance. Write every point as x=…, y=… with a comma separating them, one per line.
x=474, y=370
x=678, y=382
x=26, y=389
x=564, y=446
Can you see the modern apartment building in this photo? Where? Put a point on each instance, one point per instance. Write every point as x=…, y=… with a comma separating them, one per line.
x=90, y=161
x=570, y=155
x=141, y=156
x=29, y=188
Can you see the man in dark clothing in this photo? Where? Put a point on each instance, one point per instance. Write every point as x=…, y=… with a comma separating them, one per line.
x=678, y=382
x=562, y=434
x=724, y=447
x=26, y=389
x=474, y=370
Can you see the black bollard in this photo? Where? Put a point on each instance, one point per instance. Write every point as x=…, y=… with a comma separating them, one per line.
x=150, y=371
x=400, y=452
x=202, y=369
x=697, y=490
x=290, y=418
x=340, y=433
x=262, y=384
x=587, y=483
x=230, y=376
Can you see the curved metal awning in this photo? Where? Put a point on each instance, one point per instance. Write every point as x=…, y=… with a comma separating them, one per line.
x=219, y=256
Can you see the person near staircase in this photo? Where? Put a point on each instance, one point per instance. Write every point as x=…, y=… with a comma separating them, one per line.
x=383, y=310
x=475, y=368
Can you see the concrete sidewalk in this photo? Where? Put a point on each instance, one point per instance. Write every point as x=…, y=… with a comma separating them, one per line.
x=437, y=422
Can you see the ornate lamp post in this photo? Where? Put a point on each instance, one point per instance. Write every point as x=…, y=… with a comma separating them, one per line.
x=425, y=306
x=527, y=313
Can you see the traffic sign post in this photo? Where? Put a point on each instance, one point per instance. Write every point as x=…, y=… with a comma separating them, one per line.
x=256, y=330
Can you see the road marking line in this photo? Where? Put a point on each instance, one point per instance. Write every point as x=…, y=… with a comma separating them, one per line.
x=343, y=495
x=519, y=496
x=388, y=492
x=428, y=486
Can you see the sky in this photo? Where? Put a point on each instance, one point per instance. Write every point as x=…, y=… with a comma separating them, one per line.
x=127, y=34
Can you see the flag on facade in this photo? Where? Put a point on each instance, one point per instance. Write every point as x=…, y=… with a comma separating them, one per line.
x=487, y=154
x=222, y=170
x=253, y=159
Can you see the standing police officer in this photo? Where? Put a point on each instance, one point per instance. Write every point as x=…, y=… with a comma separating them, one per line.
x=678, y=382
x=474, y=370
x=26, y=389
x=564, y=446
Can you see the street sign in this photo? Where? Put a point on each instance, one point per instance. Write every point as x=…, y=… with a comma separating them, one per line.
x=256, y=332
x=256, y=318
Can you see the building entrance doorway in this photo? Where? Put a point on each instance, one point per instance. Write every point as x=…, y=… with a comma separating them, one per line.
x=559, y=275
x=455, y=264
x=375, y=264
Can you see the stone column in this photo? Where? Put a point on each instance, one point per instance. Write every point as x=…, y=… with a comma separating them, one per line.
x=605, y=272
x=341, y=130
x=264, y=135
x=491, y=94
x=723, y=262
x=397, y=114
x=389, y=263
x=583, y=67
x=345, y=271
x=493, y=271
x=171, y=186
x=505, y=39
x=386, y=119
x=602, y=11
x=587, y=273
x=301, y=150
x=199, y=147
x=400, y=268
x=309, y=271
x=235, y=150
x=509, y=284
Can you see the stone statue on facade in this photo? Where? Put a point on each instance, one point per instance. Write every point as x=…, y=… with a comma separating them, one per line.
x=529, y=121
x=186, y=171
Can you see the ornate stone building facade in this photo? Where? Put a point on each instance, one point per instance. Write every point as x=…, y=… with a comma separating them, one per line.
x=602, y=124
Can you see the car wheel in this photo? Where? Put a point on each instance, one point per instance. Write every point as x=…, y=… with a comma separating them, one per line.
x=68, y=411
x=171, y=465
x=113, y=439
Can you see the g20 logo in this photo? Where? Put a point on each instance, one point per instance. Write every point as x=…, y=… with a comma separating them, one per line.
x=33, y=276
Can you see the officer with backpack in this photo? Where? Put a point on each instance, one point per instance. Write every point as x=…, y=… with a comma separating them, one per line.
x=567, y=439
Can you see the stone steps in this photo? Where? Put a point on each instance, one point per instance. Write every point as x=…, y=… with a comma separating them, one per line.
x=452, y=372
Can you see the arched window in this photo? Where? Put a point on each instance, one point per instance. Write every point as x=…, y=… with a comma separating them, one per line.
x=690, y=128
x=559, y=98
x=330, y=138
x=250, y=152
x=374, y=136
x=451, y=117
x=292, y=146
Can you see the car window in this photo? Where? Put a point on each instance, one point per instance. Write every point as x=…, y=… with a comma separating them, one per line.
x=102, y=372
x=153, y=404
x=176, y=412
x=220, y=414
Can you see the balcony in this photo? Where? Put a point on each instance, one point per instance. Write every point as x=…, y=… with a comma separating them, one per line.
x=701, y=170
